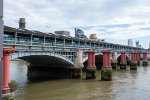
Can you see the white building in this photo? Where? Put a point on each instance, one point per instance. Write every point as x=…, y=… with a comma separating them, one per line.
x=130, y=42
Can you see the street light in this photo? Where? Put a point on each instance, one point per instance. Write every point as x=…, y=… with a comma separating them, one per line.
x=1, y=46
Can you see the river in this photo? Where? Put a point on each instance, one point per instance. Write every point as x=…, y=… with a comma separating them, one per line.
x=126, y=85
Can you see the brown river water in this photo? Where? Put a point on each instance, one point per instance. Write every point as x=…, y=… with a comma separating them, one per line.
x=126, y=85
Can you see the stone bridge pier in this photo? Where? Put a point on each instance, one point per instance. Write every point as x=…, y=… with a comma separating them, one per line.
x=78, y=65
x=114, y=60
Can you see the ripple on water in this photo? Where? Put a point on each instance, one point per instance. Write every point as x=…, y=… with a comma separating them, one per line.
x=126, y=85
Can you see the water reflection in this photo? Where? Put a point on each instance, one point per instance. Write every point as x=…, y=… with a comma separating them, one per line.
x=126, y=85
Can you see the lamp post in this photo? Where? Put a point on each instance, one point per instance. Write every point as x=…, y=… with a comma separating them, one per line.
x=1, y=46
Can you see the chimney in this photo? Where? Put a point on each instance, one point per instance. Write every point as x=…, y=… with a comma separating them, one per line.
x=22, y=23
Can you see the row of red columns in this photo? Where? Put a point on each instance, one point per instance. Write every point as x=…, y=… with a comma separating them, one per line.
x=106, y=59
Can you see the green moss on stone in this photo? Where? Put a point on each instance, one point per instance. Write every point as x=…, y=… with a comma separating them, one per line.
x=76, y=72
x=106, y=74
x=133, y=65
x=114, y=65
x=123, y=65
x=90, y=73
x=8, y=97
x=145, y=63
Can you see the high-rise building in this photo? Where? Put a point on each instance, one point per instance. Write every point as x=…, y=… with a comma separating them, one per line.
x=80, y=34
x=137, y=44
x=130, y=42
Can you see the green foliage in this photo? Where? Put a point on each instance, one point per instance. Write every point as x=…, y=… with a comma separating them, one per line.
x=13, y=85
x=145, y=63
x=8, y=97
x=106, y=74
x=123, y=63
x=91, y=70
x=133, y=64
x=90, y=73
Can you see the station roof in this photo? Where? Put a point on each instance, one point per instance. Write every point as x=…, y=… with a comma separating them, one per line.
x=51, y=35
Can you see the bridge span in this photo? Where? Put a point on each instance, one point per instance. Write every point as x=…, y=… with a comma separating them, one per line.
x=67, y=56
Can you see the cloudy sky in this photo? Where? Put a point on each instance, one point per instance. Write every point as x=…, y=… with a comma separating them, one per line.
x=115, y=21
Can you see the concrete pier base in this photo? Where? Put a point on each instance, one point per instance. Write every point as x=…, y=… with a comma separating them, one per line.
x=90, y=73
x=123, y=65
x=114, y=65
x=145, y=63
x=77, y=73
x=106, y=74
x=133, y=65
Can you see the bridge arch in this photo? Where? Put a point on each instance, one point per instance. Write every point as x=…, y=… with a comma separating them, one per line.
x=43, y=54
x=46, y=64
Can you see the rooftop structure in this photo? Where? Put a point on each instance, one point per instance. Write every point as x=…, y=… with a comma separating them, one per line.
x=65, y=33
x=22, y=23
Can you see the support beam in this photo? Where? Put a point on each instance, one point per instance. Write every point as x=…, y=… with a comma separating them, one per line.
x=64, y=42
x=44, y=40
x=6, y=68
x=16, y=37
x=72, y=42
x=91, y=68
x=55, y=41
x=31, y=39
x=106, y=72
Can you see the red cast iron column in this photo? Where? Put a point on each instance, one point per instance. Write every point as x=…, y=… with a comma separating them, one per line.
x=91, y=68
x=6, y=67
x=123, y=62
x=106, y=72
x=145, y=60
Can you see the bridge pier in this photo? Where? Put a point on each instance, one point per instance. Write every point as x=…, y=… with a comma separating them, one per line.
x=91, y=68
x=77, y=70
x=145, y=60
x=114, y=60
x=138, y=58
x=106, y=72
x=133, y=63
x=6, y=68
x=123, y=63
